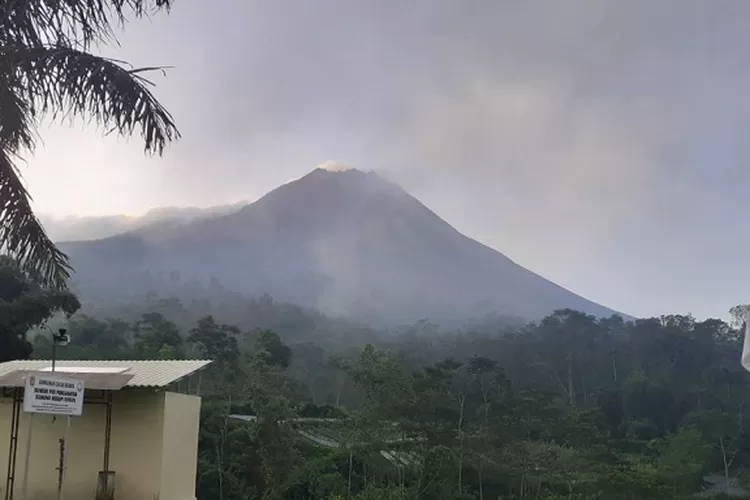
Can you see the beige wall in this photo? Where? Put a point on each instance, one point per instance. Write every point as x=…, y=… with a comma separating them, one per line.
x=180, y=446
x=154, y=442
x=137, y=422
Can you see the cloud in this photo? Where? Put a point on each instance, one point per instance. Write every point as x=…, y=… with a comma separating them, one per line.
x=594, y=141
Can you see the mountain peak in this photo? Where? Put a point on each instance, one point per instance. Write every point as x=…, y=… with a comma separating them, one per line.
x=341, y=240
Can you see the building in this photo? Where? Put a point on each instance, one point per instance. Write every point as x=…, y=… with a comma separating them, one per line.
x=136, y=438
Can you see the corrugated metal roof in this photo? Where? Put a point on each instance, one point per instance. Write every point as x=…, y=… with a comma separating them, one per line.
x=146, y=373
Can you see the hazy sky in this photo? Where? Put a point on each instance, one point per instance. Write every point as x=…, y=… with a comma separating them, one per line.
x=603, y=144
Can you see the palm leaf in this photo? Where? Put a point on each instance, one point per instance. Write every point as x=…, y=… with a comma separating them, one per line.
x=22, y=235
x=74, y=22
x=45, y=69
x=65, y=83
x=16, y=131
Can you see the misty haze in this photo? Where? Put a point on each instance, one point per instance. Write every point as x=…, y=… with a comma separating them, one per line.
x=375, y=249
x=599, y=144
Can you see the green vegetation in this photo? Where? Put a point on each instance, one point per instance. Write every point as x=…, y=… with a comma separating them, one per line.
x=25, y=305
x=572, y=407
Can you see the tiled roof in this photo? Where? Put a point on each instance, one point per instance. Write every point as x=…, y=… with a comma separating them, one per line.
x=146, y=373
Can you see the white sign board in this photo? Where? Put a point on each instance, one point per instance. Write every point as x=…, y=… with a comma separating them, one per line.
x=52, y=395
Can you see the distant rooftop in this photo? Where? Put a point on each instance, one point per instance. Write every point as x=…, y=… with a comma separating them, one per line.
x=149, y=373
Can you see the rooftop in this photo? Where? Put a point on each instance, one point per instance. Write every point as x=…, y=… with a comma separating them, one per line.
x=148, y=373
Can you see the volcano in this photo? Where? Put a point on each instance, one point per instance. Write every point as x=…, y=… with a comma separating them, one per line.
x=343, y=241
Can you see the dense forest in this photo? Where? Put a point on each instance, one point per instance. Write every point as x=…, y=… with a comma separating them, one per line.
x=569, y=407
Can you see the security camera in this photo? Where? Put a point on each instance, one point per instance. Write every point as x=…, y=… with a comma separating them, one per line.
x=61, y=337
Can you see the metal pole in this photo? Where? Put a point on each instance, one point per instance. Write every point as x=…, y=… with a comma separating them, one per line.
x=107, y=440
x=107, y=435
x=64, y=461
x=10, y=480
x=25, y=484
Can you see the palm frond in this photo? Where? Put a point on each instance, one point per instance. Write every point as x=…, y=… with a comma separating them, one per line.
x=21, y=233
x=40, y=22
x=16, y=116
x=67, y=82
x=45, y=69
x=63, y=82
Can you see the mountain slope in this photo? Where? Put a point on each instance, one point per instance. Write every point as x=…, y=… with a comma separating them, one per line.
x=346, y=242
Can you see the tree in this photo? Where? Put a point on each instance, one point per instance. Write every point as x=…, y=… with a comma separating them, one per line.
x=340, y=366
x=566, y=338
x=682, y=458
x=215, y=341
x=274, y=352
x=493, y=390
x=157, y=338
x=658, y=409
x=218, y=342
x=46, y=69
x=24, y=305
x=267, y=391
x=721, y=429
x=308, y=363
x=107, y=336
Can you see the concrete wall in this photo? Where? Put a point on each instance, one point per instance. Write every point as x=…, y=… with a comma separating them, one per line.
x=153, y=448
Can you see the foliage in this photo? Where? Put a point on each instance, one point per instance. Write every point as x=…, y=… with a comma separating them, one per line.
x=571, y=407
x=24, y=305
x=157, y=337
x=46, y=69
